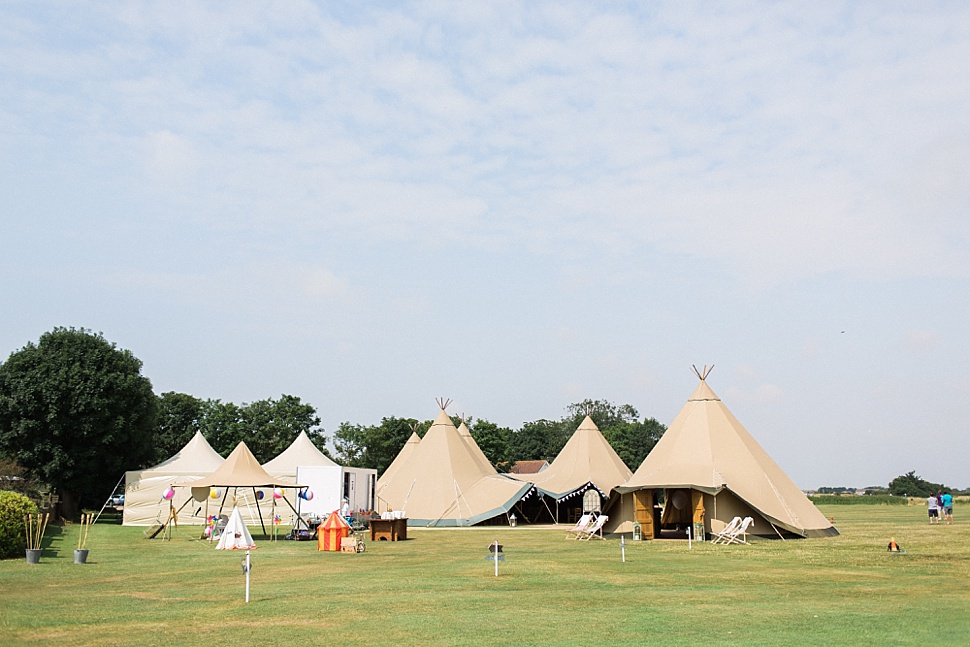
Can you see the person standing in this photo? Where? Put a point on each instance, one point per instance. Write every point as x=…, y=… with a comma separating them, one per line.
x=948, y=507
x=933, y=509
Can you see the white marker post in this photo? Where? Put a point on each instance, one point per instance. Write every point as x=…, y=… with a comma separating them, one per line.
x=623, y=549
x=689, y=547
x=246, y=566
x=495, y=556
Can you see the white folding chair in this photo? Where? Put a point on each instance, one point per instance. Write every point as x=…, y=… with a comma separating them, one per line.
x=740, y=535
x=581, y=525
x=595, y=530
x=727, y=531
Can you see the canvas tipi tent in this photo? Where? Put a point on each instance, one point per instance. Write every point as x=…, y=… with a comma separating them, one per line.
x=402, y=457
x=235, y=536
x=473, y=447
x=586, y=461
x=711, y=469
x=443, y=482
x=144, y=504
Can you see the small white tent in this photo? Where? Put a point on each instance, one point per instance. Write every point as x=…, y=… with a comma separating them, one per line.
x=236, y=535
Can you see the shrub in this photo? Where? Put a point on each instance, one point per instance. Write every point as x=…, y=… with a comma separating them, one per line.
x=13, y=508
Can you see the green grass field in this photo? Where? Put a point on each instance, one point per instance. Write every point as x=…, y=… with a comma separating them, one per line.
x=437, y=589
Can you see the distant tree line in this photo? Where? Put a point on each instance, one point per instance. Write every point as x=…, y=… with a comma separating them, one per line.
x=632, y=438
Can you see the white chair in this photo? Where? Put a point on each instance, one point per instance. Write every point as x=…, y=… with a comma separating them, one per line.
x=727, y=531
x=595, y=530
x=740, y=535
x=581, y=525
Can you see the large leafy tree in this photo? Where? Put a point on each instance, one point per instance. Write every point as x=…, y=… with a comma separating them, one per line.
x=179, y=417
x=910, y=484
x=537, y=440
x=493, y=441
x=267, y=426
x=375, y=446
x=76, y=412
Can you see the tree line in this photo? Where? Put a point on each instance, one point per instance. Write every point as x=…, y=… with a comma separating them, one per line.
x=76, y=413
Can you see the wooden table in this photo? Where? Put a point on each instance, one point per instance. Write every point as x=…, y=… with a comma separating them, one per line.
x=388, y=529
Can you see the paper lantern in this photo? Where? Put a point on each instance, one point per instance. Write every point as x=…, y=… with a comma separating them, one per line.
x=306, y=495
x=169, y=493
x=278, y=493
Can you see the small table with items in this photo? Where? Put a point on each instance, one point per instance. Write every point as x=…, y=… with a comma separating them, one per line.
x=388, y=529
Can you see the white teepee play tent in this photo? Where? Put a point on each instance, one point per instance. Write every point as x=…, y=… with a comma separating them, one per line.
x=236, y=535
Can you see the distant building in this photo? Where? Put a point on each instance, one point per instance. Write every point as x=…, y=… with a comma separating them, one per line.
x=528, y=467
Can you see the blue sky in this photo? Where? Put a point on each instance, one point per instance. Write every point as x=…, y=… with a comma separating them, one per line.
x=513, y=205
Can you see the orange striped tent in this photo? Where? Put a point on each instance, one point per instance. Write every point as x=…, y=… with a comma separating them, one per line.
x=331, y=532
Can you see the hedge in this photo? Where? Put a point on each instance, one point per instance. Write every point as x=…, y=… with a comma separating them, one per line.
x=13, y=538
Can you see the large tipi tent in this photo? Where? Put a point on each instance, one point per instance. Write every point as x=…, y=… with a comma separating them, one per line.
x=711, y=470
x=402, y=458
x=466, y=435
x=586, y=461
x=443, y=483
x=144, y=504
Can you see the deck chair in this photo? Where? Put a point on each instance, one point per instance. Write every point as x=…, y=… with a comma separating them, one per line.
x=727, y=531
x=740, y=535
x=581, y=525
x=595, y=530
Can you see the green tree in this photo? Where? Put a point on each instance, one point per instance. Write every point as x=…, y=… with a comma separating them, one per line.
x=266, y=426
x=374, y=446
x=75, y=412
x=909, y=484
x=221, y=424
x=179, y=418
x=632, y=441
x=537, y=440
x=493, y=441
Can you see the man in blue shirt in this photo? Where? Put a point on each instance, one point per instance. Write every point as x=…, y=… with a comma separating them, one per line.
x=948, y=508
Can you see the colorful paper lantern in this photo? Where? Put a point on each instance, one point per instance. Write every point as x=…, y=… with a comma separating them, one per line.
x=168, y=494
x=278, y=493
x=216, y=493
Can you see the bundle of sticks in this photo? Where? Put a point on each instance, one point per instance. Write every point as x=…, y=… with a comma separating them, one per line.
x=86, y=520
x=34, y=526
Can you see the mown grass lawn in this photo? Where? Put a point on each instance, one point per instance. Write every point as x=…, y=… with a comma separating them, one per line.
x=437, y=589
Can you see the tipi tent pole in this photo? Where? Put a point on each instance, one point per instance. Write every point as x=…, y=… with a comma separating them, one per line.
x=299, y=519
x=776, y=530
x=109, y=498
x=223, y=503
x=259, y=512
x=543, y=499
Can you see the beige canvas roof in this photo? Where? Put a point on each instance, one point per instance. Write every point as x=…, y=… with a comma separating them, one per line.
x=301, y=453
x=443, y=483
x=586, y=458
x=197, y=456
x=707, y=449
x=476, y=451
x=143, y=488
x=399, y=460
x=241, y=469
